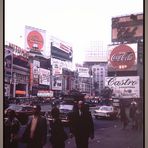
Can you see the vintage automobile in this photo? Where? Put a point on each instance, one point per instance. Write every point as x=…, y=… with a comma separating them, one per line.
x=65, y=108
x=22, y=112
x=104, y=111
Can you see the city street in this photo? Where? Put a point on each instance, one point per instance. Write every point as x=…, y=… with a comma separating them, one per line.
x=109, y=134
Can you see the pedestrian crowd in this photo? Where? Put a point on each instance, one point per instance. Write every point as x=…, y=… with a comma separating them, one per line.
x=81, y=127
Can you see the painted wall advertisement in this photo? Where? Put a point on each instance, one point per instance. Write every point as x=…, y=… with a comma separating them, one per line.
x=124, y=87
x=122, y=57
x=35, y=39
x=44, y=76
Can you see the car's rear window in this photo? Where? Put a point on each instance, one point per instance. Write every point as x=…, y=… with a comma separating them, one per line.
x=66, y=106
x=107, y=108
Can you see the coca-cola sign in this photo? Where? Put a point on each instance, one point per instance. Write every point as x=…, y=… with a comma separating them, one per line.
x=122, y=57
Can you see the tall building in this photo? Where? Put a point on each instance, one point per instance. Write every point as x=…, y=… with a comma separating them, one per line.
x=96, y=60
x=99, y=73
x=96, y=52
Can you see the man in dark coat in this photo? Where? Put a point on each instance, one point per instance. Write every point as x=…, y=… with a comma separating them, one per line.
x=36, y=131
x=58, y=135
x=81, y=125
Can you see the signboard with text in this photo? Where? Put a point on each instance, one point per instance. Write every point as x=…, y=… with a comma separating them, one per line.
x=124, y=87
x=44, y=76
x=35, y=39
x=122, y=57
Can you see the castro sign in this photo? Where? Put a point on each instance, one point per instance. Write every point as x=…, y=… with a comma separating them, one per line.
x=124, y=87
x=122, y=57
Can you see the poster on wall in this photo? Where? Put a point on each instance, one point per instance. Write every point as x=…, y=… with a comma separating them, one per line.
x=124, y=87
x=35, y=39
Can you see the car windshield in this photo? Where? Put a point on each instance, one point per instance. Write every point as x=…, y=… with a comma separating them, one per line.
x=106, y=108
x=66, y=107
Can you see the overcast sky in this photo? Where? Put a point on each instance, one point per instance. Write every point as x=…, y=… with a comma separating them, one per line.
x=74, y=21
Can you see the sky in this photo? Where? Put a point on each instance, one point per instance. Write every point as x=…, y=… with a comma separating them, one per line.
x=77, y=22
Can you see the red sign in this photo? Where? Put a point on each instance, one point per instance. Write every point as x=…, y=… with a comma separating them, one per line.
x=122, y=57
x=35, y=40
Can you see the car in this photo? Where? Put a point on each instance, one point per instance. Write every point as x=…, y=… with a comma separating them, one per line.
x=22, y=112
x=65, y=108
x=105, y=111
x=91, y=103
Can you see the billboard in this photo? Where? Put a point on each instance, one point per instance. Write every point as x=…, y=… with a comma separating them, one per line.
x=83, y=72
x=35, y=39
x=45, y=93
x=61, y=49
x=57, y=82
x=127, y=28
x=44, y=76
x=35, y=72
x=124, y=87
x=8, y=61
x=122, y=57
x=58, y=65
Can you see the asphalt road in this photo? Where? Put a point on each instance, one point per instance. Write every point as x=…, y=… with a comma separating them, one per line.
x=108, y=134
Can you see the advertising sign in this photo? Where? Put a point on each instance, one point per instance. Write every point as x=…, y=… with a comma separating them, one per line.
x=44, y=76
x=8, y=62
x=56, y=82
x=61, y=49
x=122, y=57
x=56, y=67
x=124, y=87
x=35, y=39
x=83, y=72
x=35, y=68
x=45, y=93
x=127, y=28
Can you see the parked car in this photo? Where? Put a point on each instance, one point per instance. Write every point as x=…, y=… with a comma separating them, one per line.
x=22, y=112
x=91, y=103
x=106, y=112
x=65, y=108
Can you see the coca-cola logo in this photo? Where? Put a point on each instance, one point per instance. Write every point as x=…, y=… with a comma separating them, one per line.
x=122, y=57
x=35, y=40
